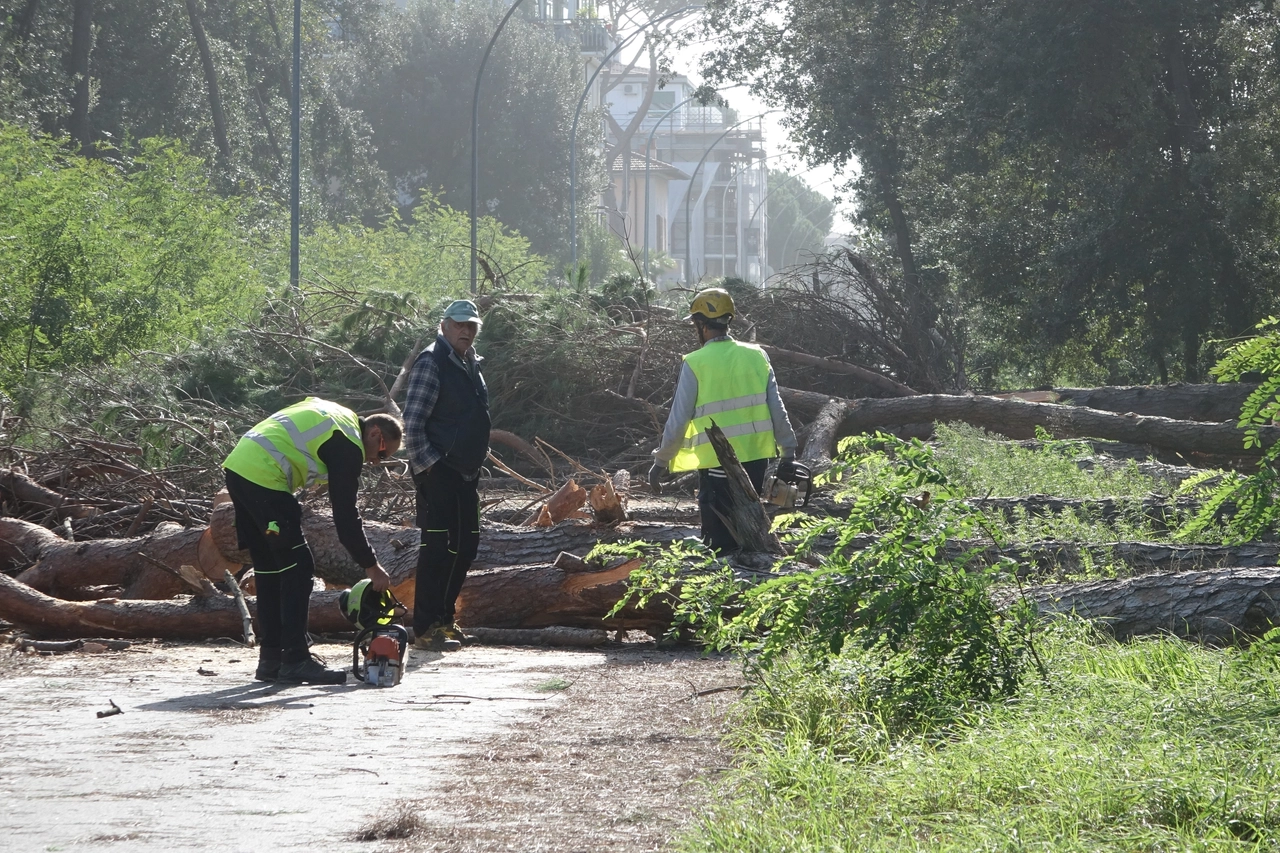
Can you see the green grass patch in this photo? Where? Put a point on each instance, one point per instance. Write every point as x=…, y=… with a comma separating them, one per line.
x=1150, y=746
x=978, y=464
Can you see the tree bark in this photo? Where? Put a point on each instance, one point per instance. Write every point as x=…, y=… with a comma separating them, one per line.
x=747, y=520
x=1018, y=419
x=820, y=446
x=1213, y=402
x=181, y=618
x=1217, y=606
x=78, y=67
x=210, y=82
x=64, y=569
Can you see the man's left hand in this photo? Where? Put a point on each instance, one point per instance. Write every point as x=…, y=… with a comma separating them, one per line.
x=378, y=577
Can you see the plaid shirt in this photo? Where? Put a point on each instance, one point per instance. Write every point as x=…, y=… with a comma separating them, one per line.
x=420, y=401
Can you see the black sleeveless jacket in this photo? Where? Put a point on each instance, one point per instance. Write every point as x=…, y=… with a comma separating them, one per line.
x=459, y=424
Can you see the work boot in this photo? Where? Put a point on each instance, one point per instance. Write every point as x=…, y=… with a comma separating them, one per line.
x=456, y=632
x=309, y=670
x=268, y=664
x=436, y=639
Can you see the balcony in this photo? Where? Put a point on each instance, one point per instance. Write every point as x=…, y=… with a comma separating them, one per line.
x=591, y=34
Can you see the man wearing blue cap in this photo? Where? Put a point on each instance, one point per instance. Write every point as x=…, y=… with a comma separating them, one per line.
x=446, y=436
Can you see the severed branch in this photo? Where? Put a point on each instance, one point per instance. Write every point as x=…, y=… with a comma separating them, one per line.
x=243, y=607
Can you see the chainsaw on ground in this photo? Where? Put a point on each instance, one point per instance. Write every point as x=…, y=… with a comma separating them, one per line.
x=378, y=652
x=784, y=486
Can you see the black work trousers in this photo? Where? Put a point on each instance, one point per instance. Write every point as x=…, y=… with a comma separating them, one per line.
x=449, y=518
x=713, y=502
x=269, y=524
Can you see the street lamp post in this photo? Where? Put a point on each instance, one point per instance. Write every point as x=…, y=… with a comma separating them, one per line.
x=688, y=247
x=759, y=206
x=295, y=147
x=724, y=195
x=475, y=133
x=577, y=114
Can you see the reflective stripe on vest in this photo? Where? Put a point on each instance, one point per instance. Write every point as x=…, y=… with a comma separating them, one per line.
x=733, y=379
x=281, y=452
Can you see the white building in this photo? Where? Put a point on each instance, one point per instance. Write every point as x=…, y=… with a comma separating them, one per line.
x=711, y=167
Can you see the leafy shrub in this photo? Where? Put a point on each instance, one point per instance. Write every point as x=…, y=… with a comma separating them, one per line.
x=1251, y=504
x=914, y=629
x=102, y=259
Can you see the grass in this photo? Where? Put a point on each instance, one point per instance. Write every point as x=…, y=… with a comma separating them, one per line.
x=399, y=821
x=978, y=465
x=1155, y=745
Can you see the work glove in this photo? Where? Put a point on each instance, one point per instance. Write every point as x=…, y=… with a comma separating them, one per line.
x=786, y=469
x=655, y=478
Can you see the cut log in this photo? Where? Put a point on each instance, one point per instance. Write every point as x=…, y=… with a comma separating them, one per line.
x=1219, y=401
x=554, y=636
x=747, y=521
x=542, y=596
x=62, y=567
x=181, y=618
x=397, y=547
x=820, y=446
x=1019, y=419
x=875, y=380
x=1217, y=606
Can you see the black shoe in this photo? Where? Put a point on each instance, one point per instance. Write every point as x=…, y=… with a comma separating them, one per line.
x=268, y=664
x=310, y=670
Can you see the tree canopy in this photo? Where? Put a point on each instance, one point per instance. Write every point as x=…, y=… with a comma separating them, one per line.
x=1090, y=188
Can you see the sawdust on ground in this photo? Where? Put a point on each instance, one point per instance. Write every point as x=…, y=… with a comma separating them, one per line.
x=487, y=749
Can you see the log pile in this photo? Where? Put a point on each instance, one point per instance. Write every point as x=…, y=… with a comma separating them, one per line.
x=93, y=545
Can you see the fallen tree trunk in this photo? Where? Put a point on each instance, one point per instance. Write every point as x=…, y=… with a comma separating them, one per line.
x=820, y=446
x=1217, y=606
x=1219, y=401
x=1019, y=419
x=181, y=618
x=746, y=520
x=62, y=569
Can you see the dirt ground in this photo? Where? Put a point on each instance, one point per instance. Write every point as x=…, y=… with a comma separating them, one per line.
x=486, y=749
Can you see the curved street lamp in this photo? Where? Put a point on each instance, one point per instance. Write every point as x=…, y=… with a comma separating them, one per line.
x=688, y=248
x=577, y=114
x=475, y=132
x=724, y=195
x=648, y=161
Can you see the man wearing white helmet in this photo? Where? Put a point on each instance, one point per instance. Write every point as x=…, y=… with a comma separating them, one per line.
x=733, y=384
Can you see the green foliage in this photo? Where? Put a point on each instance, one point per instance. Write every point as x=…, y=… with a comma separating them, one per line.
x=1080, y=191
x=101, y=259
x=1253, y=502
x=428, y=255
x=1152, y=745
x=978, y=465
x=919, y=626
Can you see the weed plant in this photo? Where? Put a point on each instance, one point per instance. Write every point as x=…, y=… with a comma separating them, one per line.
x=979, y=465
x=1152, y=745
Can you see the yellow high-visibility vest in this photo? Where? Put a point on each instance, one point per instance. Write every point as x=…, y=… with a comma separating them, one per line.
x=732, y=380
x=281, y=452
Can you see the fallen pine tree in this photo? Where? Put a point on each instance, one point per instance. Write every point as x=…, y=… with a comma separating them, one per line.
x=1019, y=419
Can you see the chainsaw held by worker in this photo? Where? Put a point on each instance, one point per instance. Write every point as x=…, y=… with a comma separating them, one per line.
x=378, y=652
x=784, y=487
